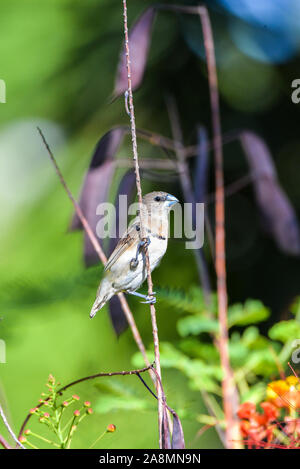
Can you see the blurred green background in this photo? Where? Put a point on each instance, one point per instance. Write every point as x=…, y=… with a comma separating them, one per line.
x=58, y=59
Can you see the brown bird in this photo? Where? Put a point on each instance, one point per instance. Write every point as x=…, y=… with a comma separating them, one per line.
x=125, y=270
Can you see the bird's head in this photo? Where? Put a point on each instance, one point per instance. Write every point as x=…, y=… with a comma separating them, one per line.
x=159, y=201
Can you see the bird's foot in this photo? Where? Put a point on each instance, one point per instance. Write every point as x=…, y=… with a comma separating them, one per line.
x=145, y=242
x=134, y=263
x=142, y=244
x=150, y=299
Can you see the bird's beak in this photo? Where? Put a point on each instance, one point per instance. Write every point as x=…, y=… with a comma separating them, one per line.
x=171, y=200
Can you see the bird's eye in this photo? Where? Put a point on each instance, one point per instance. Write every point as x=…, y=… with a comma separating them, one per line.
x=157, y=198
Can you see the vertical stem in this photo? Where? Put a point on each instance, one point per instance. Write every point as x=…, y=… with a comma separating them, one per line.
x=99, y=251
x=4, y=443
x=228, y=387
x=10, y=431
x=142, y=232
x=188, y=192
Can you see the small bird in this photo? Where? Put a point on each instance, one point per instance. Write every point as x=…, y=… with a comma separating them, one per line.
x=125, y=270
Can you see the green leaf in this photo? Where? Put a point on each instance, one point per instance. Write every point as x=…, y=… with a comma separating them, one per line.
x=171, y=357
x=261, y=362
x=108, y=403
x=190, y=302
x=206, y=419
x=196, y=349
x=196, y=324
x=238, y=353
x=201, y=375
x=252, y=311
x=138, y=360
x=116, y=395
x=295, y=309
x=250, y=336
x=255, y=394
x=252, y=339
x=285, y=330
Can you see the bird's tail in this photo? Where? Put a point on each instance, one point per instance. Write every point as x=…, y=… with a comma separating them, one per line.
x=105, y=292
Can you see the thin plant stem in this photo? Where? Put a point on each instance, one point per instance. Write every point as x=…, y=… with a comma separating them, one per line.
x=36, y=435
x=187, y=188
x=81, y=380
x=67, y=441
x=129, y=316
x=229, y=391
x=9, y=429
x=142, y=231
x=4, y=443
x=31, y=445
x=99, y=438
x=230, y=396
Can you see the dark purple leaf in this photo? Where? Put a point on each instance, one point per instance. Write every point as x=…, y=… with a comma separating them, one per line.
x=126, y=187
x=177, y=436
x=96, y=186
x=166, y=438
x=117, y=316
x=198, y=196
x=279, y=215
x=139, y=42
x=201, y=170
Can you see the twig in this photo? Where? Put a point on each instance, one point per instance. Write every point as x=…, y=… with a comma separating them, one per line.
x=188, y=192
x=292, y=369
x=228, y=388
x=142, y=231
x=2, y=414
x=4, y=443
x=99, y=251
x=219, y=430
x=86, y=378
x=232, y=188
x=164, y=402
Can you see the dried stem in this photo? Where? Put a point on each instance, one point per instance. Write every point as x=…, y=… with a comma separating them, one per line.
x=102, y=257
x=5, y=421
x=189, y=197
x=142, y=231
x=228, y=388
x=4, y=443
x=86, y=378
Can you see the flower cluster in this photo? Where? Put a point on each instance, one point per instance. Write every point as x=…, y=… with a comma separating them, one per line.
x=285, y=393
x=262, y=429
x=55, y=416
x=256, y=427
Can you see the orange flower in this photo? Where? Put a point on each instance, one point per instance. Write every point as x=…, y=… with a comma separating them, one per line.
x=246, y=410
x=270, y=411
x=254, y=426
x=292, y=427
x=284, y=393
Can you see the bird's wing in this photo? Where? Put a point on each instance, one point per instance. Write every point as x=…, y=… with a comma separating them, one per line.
x=130, y=237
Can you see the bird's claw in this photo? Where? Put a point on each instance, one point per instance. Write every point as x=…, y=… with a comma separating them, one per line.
x=134, y=263
x=142, y=244
x=150, y=299
x=145, y=242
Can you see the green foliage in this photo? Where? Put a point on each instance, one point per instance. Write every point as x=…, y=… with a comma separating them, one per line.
x=295, y=309
x=45, y=293
x=116, y=396
x=251, y=312
x=253, y=356
x=51, y=413
x=285, y=330
x=188, y=302
x=196, y=324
